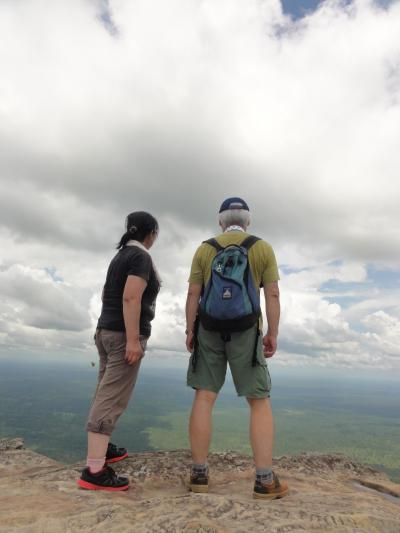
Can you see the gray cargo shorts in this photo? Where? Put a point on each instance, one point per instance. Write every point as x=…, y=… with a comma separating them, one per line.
x=214, y=355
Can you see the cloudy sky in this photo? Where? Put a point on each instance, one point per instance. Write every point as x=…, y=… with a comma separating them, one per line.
x=107, y=107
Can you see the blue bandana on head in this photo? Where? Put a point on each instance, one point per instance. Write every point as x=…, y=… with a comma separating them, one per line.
x=233, y=203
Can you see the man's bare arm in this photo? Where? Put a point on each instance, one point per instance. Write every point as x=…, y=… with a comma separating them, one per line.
x=192, y=305
x=273, y=310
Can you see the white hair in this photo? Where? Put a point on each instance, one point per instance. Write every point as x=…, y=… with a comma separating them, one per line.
x=234, y=217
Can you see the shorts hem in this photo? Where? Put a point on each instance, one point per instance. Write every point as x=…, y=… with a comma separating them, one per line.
x=266, y=395
x=201, y=387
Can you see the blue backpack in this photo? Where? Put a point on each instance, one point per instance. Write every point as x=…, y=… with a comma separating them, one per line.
x=230, y=301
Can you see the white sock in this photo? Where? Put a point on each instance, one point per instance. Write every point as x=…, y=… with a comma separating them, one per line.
x=95, y=465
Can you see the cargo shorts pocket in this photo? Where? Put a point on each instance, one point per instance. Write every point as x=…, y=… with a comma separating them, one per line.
x=263, y=375
x=269, y=382
x=261, y=360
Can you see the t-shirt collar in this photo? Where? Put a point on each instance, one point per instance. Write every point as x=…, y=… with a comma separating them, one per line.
x=234, y=228
x=133, y=242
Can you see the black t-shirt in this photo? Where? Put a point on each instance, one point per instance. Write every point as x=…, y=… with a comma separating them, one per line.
x=130, y=260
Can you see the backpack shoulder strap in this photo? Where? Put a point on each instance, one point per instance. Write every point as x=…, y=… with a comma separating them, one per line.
x=214, y=243
x=249, y=241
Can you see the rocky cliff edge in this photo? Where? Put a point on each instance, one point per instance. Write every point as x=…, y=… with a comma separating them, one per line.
x=328, y=493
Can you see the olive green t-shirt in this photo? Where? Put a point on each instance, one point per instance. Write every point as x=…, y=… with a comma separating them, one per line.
x=262, y=260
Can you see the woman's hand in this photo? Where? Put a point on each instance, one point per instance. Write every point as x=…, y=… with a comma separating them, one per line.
x=134, y=352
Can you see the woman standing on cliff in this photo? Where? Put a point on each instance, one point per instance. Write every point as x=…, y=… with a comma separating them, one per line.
x=123, y=329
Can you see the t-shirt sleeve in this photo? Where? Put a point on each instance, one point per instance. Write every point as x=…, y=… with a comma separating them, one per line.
x=270, y=272
x=196, y=271
x=140, y=264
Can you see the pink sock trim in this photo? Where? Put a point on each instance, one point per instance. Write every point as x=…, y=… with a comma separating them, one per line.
x=95, y=465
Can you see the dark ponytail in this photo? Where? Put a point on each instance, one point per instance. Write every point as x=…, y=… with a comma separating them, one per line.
x=138, y=225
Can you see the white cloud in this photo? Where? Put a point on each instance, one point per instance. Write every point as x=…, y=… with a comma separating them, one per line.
x=383, y=337
x=317, y=330
x=170, y=107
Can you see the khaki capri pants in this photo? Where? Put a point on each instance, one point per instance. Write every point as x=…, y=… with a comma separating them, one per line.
x=116, y=381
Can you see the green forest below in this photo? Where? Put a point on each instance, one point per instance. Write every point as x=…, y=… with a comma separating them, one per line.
x=47, y=404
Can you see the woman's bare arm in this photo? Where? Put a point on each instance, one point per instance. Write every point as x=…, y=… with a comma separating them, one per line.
x=132, y=304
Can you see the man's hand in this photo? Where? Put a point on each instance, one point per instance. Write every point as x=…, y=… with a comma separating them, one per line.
x=190, y=341
x=272, y=308
x=134, y=352
x=270, y=343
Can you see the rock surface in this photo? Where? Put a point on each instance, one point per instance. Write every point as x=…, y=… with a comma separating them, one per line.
x=328, y=493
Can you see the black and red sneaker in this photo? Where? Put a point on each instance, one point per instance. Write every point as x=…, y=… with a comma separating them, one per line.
x=106, y=479
x=115, y=454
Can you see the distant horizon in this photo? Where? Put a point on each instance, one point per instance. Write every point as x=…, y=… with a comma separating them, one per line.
x=157, y=363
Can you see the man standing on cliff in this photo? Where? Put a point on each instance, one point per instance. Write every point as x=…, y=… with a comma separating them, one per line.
x=224, y=325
